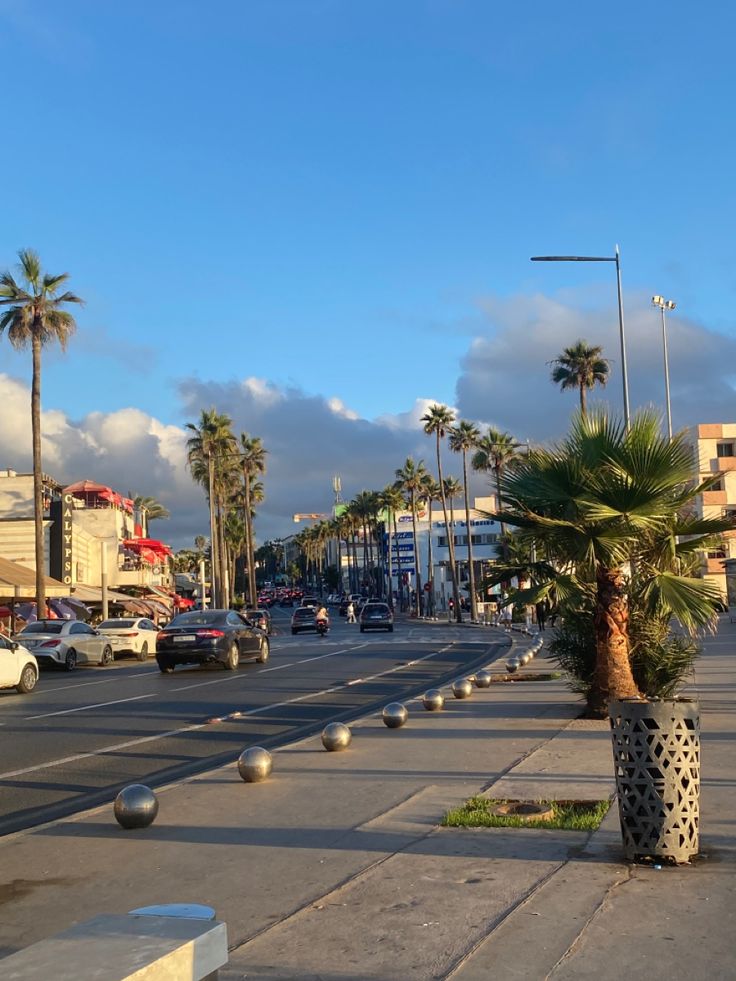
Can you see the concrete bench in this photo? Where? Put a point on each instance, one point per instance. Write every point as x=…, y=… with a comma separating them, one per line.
x=134, y=947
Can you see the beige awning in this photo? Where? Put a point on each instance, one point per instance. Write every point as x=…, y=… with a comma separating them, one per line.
x=91, y=594
x=19, y=582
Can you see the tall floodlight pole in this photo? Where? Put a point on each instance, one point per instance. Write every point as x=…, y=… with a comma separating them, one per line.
x=616, y=258
x=659, y=301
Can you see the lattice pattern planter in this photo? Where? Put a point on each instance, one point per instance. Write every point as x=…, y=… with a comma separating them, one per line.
x=656, y=755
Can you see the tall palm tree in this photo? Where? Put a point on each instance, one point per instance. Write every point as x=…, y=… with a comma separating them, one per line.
x=210, y=451
x=607, y=499
x=410, y=479
x=463, y=438
x=393, y=500
x=438, y=421
x=36, y=317
x=253, y=462
x=496, y=452
x=453, y=490
x=580, y=366
x=432, y=492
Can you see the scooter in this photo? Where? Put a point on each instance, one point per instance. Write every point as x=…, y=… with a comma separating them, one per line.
x=322, y=627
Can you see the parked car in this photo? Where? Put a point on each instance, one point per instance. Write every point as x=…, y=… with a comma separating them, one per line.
x=303, y=618
x=261, y=618
x=130, y=635
x=18, y=667
x=65, y=643
x=208, y=636
x=376, y=616
x=311, y=601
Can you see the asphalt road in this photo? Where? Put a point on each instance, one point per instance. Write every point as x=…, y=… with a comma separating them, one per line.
x=80, y=737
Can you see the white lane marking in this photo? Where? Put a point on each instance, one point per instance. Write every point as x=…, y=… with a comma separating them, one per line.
x=83, y=708
x=235, y=677
x=203, y=725
x=110, y=678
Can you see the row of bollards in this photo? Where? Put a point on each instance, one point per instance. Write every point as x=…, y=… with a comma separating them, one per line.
x=136, y=806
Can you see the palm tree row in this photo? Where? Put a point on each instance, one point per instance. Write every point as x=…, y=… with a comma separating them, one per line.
x=228, y=469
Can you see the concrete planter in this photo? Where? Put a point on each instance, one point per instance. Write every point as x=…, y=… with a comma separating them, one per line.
x=656, y=755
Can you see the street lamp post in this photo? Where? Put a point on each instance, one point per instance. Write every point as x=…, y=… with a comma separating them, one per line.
x=617, y=260
x=659, y=301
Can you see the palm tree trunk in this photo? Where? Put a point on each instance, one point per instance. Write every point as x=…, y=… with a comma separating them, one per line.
x=252, y=596
x=399, y=576
x=450, y=538
x=430, y=570
x=417, y=558
x=213, y=536
x=582, y=399
x=613, y=677
x=504, y=543
x=471, y=573
x=38, y=477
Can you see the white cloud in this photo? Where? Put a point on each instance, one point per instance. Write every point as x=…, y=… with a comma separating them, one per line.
x=504, y=381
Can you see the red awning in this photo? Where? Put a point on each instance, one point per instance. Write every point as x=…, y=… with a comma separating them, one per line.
x=87, y=487
x=151, y=544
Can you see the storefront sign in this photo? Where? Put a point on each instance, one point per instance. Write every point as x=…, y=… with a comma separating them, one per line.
x=66, y=538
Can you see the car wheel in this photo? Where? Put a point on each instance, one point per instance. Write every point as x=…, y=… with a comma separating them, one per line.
x=263, y=653
x=293, y=631
x=362, y=629
x=142, y=654
x=390, y=630
x=70, y=661
x=164, y=666
x=233, y=658
x=107, y=656
x=28, y=679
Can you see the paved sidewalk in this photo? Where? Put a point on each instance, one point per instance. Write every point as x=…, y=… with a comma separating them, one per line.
x=336, y=868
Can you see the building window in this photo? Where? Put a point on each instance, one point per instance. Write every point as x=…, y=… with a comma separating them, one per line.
x=724, y=449
x=729, y=513
x=716, y=553
x=717, y=486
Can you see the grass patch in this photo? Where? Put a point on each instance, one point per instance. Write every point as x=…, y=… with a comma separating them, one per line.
x=545, y=676
x=569, y=815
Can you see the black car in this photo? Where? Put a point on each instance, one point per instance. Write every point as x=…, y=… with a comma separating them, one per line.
x=303, y=618
x=261, y=618
x=205, y=636
x=376, y=616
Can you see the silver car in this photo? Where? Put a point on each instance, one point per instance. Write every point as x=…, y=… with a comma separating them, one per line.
x=65, y=643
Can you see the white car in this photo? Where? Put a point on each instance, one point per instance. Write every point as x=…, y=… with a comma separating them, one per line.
x=18, y=667
x=65, y=643
x=130, y=635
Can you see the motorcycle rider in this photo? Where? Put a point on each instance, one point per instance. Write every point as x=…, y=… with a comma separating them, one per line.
x=322, y=617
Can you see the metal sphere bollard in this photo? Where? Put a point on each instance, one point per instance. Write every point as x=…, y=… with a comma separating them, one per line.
x=483, y=679
x=255, y=764
x=336, y=736
x=512, y=665
x=462, y=688
x=433, y=700
x=525, y=657
x=395, y=715
x=135, y=806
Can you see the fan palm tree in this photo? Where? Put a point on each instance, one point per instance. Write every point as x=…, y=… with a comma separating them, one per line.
x=253, y=462
x=438, y=421
x=496, y=452
x=431, y=492
x=463, y=438
x=410, y=479
x=580, y=366
x=392, y=500
x=149, y=508
x=604, y=501
x=210, y=451
x=36, y=317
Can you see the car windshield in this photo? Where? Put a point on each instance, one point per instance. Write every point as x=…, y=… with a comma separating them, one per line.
x=304, y=614
x=376, y=608
x=44, y=627
x=116, y=622
x=199, y=618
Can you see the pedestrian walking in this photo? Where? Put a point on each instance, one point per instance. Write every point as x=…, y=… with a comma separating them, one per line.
x=351, y=613
x=541, y=614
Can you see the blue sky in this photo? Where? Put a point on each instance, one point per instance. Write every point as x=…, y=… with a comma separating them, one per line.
x=339, y=197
